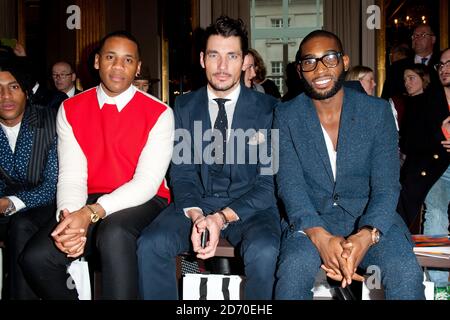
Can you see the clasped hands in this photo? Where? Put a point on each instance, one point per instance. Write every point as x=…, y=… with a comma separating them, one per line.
x=341, y=256
x=70, y=234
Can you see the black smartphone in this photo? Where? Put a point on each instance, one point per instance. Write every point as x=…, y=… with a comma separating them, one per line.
x=205, y=238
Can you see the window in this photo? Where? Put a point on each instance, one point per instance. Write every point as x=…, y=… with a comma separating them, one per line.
x=279, y=82
x=277, y=23
x=278, y=27
x=277, y=67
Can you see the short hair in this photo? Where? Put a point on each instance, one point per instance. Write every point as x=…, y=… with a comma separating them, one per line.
x=72, y=69
x=227, y=27
x=119, y=34
x=357, y=73
x=424, y=25
x=261, y=71
x=422, y=71
x=318, y=34
x=444, y=51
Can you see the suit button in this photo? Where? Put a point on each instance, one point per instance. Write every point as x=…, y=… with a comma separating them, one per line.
x=336, y=197
x=292, y=227
x=335, y=204
x=436, y=156
x=216, y=195
x=423, y=173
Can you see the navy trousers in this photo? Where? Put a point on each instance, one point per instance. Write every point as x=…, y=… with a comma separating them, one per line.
x=169, y=234
x=299, y=263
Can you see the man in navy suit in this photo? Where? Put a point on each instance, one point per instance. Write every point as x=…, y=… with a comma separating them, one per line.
x=28, y=170
x=224, y=191
x=338, y=179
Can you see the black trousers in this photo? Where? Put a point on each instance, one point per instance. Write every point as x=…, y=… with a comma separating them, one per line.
x=113, y=238
x=18, y=230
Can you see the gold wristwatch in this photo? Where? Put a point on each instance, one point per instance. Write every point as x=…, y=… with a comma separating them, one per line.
x=375, y=233
x=94, y=214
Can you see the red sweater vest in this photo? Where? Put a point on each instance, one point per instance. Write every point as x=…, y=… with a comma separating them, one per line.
x=112, y=141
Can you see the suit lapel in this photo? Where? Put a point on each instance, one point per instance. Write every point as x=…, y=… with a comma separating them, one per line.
x=315, y=130
x=245, y=111
x=244, y=117
x=6, y=151
x=344, y=152
x=200, y=114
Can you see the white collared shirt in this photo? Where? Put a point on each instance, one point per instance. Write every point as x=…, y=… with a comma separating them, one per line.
x=150, y=170
x=120, y=101
x=71, y=92
x=418, y=59
x=11, y=134
x=230, y=106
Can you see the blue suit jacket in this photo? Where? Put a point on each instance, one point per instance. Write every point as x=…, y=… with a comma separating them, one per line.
x=16, y=165
x=367, y=175
x=250, y=191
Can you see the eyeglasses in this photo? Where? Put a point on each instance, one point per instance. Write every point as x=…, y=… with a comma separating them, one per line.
x=441, y=65
x=329, y=60
x=61, y=75
x=421, y=35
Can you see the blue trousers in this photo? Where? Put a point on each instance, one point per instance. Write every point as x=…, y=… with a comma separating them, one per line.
x=258, y=239
x=300, y=262
x=436, y=217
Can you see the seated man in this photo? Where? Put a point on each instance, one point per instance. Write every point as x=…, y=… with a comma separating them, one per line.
x=338, y=179
x=114, y=144
x=232, y=184
x=28, y=169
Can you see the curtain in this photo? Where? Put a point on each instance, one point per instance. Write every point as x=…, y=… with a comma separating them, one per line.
x=8, y=14
x=343, y=17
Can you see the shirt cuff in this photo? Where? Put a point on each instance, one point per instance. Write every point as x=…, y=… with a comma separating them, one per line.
x=187, y=209
x=106, y=205
x=17, y=203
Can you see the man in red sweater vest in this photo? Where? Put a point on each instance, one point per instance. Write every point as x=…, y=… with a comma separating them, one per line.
x=115, y=143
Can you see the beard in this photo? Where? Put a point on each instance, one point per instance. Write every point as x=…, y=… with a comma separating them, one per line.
x=313, y=94
x=217, y=86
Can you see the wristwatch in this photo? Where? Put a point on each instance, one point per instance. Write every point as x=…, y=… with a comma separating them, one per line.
x=10, y=209
x=94, y=214
x=375, y=233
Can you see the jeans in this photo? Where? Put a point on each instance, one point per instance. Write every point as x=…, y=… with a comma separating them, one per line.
x=436, y=216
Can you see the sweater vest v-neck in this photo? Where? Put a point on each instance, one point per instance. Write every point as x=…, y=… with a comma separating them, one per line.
x=112, y=141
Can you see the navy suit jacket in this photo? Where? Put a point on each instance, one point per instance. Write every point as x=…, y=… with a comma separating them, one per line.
x=17, y=164
x=249, y=191
x=367, y=186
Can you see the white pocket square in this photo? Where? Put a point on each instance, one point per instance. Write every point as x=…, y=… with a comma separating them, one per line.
x=257, y=138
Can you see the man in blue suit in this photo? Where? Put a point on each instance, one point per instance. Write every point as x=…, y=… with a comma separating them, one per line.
x=219, y=189
x=28, y=170
x=338, y=178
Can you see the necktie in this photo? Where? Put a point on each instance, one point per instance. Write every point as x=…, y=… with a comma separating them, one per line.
x=424, y=61
x=221, y=125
